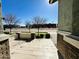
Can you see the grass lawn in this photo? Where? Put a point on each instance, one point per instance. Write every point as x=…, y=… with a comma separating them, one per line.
x=40, y=33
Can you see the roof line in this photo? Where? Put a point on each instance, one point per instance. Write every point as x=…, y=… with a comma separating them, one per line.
x=52, y=1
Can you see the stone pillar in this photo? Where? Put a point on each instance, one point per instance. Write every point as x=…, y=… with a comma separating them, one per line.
x=1, y=26
x=68, y=29
x=65, y=15
x=75, y=24
x=68, y=33
x=4, y=49
x=69, y=16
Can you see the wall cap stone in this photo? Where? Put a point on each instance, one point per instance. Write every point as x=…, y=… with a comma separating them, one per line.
x=3, y=37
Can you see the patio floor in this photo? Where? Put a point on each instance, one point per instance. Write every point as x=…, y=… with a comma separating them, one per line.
x=36, y=49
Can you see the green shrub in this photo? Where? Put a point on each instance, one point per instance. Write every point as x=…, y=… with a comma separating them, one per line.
x=37, y=37
x=32, y=35
x=6, y=32
x=41, y=35
x=47, y=36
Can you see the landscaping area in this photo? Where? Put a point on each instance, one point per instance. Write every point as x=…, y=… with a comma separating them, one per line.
x=23, y=34
x=42, y=35
x=28, y=36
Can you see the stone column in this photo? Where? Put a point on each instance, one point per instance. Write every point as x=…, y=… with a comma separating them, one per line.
x=1, y=26
x=68, y=33
x=68, y=25
x=75, y=24
x=65, y=15
x=69, y=16
x=4, y=47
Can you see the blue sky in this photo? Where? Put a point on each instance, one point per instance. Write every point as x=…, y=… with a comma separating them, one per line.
x=27, y=9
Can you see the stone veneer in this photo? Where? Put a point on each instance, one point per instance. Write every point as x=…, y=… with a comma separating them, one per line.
x=67, y=50
x=4, y=47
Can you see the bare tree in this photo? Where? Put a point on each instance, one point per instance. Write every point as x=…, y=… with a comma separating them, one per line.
x=11, y=20
x=39, y=20
x=28, y=24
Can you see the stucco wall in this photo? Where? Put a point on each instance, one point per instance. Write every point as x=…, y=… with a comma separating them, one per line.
x=65, y=15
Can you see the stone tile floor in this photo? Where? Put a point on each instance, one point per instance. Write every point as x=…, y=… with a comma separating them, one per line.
x=36, y=49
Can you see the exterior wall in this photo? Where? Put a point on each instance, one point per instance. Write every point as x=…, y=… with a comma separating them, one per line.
x=76, y=17
x=68, y=21
x=67, y=50
x=68, y=16
x=65, y=15
x=0, y=19
x=68, y=45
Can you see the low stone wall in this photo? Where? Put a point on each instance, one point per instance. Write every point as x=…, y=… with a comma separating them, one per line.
x=25, y=35
x=4, y=49
x=67, y=50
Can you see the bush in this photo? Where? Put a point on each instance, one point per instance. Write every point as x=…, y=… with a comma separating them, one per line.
x=6, y=33
x=37, y=36
x=41, y=35
x=32, y=35
x=47, y=36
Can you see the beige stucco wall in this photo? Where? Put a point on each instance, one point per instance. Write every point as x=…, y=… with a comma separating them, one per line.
x=65, y=15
